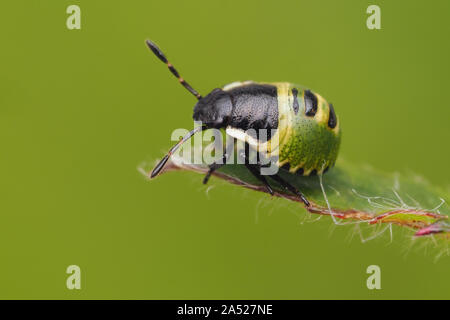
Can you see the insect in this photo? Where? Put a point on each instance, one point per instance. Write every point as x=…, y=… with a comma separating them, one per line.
x=304, y=123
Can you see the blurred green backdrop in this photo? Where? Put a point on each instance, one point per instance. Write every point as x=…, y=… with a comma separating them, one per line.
x=80, y=109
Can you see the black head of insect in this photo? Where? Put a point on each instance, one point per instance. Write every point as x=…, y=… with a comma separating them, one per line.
x=213, y=110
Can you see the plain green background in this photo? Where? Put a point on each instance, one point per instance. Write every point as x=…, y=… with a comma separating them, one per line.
x=81, y=109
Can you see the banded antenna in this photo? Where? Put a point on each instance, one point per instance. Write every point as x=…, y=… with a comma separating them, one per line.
x=157, y=169
x=163, y=58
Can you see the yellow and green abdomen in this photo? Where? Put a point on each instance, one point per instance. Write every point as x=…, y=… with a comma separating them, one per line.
x=308, y=131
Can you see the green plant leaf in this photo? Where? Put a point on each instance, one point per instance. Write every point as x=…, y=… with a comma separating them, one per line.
x=350, y=192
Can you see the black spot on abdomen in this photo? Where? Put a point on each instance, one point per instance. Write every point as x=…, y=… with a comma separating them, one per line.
x=310, y=103
x=287, y=167
x=295, y=104
x=332, y=120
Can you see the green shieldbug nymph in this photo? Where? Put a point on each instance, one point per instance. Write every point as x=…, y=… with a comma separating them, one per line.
x=305, y=124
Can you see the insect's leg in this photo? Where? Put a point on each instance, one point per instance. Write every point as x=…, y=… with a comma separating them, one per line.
x=290, y=188
x=213, y=167
x=254, y=169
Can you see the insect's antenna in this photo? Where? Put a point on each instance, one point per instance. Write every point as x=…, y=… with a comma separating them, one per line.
x=163, y=58
x=163, y=161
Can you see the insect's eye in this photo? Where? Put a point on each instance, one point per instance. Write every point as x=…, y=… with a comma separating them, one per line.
x=310, y=103
x=332, y=120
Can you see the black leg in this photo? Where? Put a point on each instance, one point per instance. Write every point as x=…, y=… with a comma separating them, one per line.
x=254, y=169
x=290, y=188
x=213, y=167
